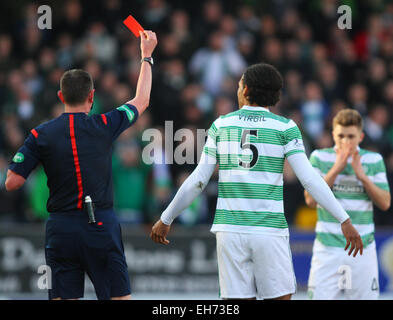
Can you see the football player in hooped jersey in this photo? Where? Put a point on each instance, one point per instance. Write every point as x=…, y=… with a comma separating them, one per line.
x=250, y=146
x=358, y=180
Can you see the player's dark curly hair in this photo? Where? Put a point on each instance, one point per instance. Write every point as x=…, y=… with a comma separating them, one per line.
x=264, y=83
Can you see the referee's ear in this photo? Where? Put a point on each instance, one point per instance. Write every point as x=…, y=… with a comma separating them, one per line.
x=60, y=95
x=90, y=97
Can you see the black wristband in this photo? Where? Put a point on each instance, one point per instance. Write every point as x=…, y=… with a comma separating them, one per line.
x=148, y=59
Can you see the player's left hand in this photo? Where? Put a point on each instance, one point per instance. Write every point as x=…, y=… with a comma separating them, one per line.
x=159, y=232
x=352, y=237
x=357, y=166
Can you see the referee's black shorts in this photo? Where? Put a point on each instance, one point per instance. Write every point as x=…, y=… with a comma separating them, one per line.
x=73, y=247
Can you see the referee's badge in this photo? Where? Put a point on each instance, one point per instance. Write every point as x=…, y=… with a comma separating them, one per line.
x=18, y=158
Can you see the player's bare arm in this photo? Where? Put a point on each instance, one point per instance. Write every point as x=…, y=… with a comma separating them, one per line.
x=143, y=88
x=381, y=198
x=14, y=181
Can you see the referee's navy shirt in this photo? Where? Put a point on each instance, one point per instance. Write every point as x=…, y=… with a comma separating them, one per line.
x=76, y=153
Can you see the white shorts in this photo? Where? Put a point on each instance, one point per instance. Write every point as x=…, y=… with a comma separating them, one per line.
x=254, y=266
x=336, y=276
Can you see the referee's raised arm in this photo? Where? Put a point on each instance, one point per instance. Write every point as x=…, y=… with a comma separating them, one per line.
x=143, y=88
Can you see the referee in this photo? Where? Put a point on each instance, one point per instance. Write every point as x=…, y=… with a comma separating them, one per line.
x=76, y=151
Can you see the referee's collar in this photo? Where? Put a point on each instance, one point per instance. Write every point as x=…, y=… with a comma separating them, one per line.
x=75, y=113
x=255, y=108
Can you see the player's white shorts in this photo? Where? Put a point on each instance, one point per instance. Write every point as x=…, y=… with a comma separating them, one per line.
x=254, y=266
x=336, y=276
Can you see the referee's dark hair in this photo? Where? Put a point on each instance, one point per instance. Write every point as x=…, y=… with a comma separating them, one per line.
x=264, y=84
x=75, y=86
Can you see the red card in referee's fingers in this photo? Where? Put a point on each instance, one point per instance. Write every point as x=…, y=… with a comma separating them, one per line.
x=133, y=25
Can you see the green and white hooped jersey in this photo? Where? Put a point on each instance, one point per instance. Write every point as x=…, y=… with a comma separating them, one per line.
x=250, y=146
x=351, y=194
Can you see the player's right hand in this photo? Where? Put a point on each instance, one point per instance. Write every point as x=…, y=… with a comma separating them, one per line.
x=353, y=238
x=159, y=232
x=148, y=43
x=342, y=158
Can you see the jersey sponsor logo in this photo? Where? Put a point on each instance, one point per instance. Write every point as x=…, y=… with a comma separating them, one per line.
x=348, y=185
x=349, y=189
x=18, y=158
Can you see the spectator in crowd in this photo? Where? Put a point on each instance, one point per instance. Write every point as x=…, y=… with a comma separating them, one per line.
x=71, y=20
x=388, y=94
x=247, y=19
x=377, y=76
x=211, y=65
x=156, y=13
x=272, y=52
x=208, y=23
x=314, y=110
x=375, y=127
x=358, y=95
x=328, y=75
x=7, y=62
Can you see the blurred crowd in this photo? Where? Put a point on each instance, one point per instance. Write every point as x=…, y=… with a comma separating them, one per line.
x=204, y=47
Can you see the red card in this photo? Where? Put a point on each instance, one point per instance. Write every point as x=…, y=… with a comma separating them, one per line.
x=133, y=25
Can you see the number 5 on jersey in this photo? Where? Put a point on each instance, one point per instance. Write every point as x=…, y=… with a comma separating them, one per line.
x=244, y=145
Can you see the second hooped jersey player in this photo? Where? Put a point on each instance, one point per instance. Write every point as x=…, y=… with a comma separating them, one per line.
x=329, y=262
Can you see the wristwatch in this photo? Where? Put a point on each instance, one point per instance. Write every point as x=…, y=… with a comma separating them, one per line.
x=148, y=59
